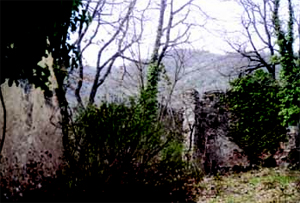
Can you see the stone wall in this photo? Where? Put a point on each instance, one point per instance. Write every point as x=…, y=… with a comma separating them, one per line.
x=213, y=148
x=206, y=126
x=32, y=123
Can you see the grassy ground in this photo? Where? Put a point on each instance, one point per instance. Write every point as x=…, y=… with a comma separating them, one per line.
x=265, y=185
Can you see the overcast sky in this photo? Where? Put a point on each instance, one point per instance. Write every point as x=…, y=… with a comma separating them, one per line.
x=225, y=17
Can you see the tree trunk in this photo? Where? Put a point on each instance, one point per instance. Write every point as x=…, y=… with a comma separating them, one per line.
x=4, y=121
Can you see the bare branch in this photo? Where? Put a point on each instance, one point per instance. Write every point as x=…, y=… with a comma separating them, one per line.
x=256, y=22
x=111, y=60
x=126, y=30
x=100, y=5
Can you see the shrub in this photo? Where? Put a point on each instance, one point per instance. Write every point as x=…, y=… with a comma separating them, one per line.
x=255, y=124
x=121, y=155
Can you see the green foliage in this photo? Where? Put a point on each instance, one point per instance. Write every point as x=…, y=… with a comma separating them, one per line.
x=173, y=152
x=117, y=148
x=256, y=126
x=289, y=75
x=108, y=128
x=148, y=98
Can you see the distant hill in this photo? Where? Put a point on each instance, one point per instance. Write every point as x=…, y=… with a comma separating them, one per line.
x=201, y=70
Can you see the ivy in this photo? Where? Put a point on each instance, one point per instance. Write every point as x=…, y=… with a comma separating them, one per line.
x=289, y=76
x=149, y=94
x=255, y=126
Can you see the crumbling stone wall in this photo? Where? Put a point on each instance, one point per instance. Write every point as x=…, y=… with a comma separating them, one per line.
x=290, y=151
x=213, y=148
x=205, y=128
x=206, y=124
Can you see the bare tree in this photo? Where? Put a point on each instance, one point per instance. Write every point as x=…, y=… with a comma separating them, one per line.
x=117, y=30
x=173, y=27
x=259, y=47
x=177, y=17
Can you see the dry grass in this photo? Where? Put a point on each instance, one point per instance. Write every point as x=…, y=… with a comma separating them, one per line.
x=264, y=186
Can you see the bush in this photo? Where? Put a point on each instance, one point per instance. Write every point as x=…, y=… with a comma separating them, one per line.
x=117, y=156
x=255, y=124
x=121, y=155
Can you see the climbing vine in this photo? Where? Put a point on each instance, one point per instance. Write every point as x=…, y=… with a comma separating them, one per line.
x=289, y=75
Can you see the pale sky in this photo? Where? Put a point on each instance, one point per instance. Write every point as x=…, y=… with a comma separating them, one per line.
x=210, y=37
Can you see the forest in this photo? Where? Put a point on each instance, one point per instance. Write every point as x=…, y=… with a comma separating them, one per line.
x=127, y=101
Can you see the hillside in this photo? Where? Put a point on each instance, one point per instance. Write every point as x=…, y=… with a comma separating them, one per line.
x=200, y=70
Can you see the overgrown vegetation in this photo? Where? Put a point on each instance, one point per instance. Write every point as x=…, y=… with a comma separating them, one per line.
x=118, y=155
x=289, y=76
x=290, y=73
x=117, y=148
x=255, y=125
x=134, y=152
